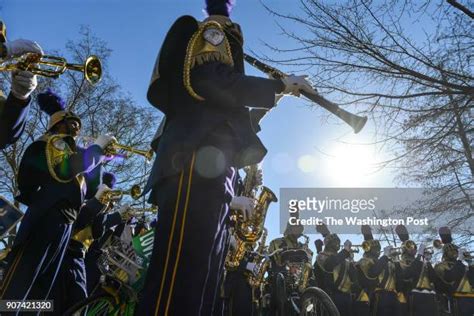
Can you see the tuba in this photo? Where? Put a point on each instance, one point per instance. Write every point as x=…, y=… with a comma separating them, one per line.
x=248, y=232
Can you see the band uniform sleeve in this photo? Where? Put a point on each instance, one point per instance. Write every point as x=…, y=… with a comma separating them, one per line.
x=332, y=261
x=80, y=161
x=33, y=169
x=13, y=114
x=219, y=84
x=256, y=116
x=455, y=273
x=103, y=222
x=378, y=267
x=88, y=212
x=112, y=219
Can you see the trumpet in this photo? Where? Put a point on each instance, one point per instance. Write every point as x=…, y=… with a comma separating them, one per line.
x=114, y=147
x=141, y=211
x=116, y=195
x=54, y=66
x=365, y=246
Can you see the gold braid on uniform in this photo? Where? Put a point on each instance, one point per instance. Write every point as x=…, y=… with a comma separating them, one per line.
x=57, y=150
x=209, y=43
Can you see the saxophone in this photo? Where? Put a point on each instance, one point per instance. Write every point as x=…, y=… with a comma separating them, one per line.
x=248, y=232
x=262, y=264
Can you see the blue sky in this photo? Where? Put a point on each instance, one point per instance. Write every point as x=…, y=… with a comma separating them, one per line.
x=305, y=148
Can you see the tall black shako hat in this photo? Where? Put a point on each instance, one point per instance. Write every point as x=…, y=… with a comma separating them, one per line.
x=445, y=235
x=54, y=106
x=402, y=233
x=330, y=240
x=366, y=232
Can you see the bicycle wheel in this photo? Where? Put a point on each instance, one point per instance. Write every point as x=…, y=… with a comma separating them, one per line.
x=100, y=304
x=315, y=301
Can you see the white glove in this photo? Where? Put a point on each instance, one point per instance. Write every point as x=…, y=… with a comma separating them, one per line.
x=295, y=84
x=23, y=84
x=421, y=250
x=101, y=189
x=232, y=242
x=243, y=204
x=125, y=211
x=461, y=252
x=124, y=208
x=348, y=245
x=387, y=251
x=104, y=140
x=250, y=266
x=21, y=46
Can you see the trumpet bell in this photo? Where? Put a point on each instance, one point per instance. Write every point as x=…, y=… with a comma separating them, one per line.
x=93, y=69
x=135, y=192
x=54, y=66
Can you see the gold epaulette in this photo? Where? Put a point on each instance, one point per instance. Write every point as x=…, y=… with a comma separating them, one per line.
x=208, y=43
x=57, y=150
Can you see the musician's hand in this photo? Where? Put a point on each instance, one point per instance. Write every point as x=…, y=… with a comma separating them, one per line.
x=21, y=46
x=101, y=189
x=232, y=243
x=125, y=211
x=348, y=246
x=387, y=251
x=23, y=84
x=294, y=85
x=104, y=140
x=461, y=255
x=243, y=204
x=421, y=249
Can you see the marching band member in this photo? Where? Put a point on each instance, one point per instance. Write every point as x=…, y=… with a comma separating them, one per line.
x=422, y=278
x=200, y=85
x=377, y=276
x=456, y=276
x=417, y=279
x=289, y=241
x=338, y=273
x=236, y=292
x=71, y=286
x=50, y=181
x=14, y=108
x=112, y=224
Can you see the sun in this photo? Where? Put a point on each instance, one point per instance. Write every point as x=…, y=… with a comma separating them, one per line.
x=350, y=165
